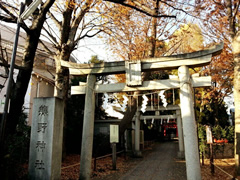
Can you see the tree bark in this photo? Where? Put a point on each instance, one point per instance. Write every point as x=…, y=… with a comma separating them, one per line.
x=236, y=53
x=61, y=91
x=128, y=115
x=236, y=84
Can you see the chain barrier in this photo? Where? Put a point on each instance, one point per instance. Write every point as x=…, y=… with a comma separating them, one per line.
x=233, y=178
x=101, y=157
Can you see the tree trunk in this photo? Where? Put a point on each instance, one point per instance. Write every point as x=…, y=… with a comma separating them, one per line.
x=61, y=80
x=236, y=84
x=24, y=75
x=236, y=53
x=128, y=115
x=61, y=90
x=20, y=88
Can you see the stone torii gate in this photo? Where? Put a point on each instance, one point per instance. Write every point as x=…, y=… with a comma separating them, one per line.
x=157, y=115
x=133, y=71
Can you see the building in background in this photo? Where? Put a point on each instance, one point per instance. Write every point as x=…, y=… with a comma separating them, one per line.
x=43, y=75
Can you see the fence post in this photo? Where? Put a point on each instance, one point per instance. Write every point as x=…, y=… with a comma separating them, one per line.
x=211, y=159
x=114, y=156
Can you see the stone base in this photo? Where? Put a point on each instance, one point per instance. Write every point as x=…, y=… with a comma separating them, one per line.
x=137, y=154
x=181, y=155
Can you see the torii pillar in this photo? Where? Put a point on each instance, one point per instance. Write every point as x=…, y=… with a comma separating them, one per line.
x=137, y=152
x=180, y=135
x=189, y=125
x=88, y=130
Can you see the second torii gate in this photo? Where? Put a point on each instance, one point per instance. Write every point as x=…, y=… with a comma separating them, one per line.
x=133, y=69
x=157, y=115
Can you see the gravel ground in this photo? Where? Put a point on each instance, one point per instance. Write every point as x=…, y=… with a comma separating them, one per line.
x=160, y=163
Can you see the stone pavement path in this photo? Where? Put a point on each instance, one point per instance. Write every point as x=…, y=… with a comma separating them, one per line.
x=161, y=164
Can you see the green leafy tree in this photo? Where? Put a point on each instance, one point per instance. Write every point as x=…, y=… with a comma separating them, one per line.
x=210, y=108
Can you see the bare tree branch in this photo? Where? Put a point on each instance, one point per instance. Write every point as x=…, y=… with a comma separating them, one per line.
x=12, y=18
x=89, y=36
x=10, y=6
x=89, y=25
x=236, y=10
x=8, y=19
x=42, y=15
x=217, y=3
x=58, y=24
x=230, y=18
x=15, y=66
x=51, y=37
x=145, y=10
x=178, y=9
x=4, y=61
x=46, y=48
x=7, y=11
x=78, y=19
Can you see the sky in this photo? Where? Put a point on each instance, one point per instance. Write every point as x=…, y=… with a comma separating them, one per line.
x=93, y=46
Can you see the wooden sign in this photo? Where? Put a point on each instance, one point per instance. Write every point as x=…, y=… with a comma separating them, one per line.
x=209, y=135
x=114, y=133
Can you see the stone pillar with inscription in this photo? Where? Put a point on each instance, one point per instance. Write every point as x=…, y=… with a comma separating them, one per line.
x=46, y=139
